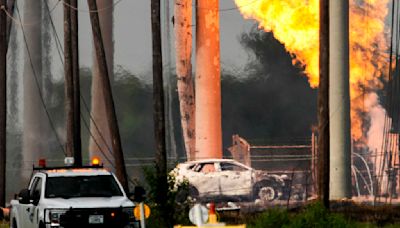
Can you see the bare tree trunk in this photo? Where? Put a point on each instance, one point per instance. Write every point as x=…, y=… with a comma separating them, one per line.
x=99, y=128
x=208, y=81
x=183, y=47
x=159, y=113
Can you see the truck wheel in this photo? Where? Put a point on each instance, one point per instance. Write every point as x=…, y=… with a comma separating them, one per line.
x=41, y=225
x=14, y=223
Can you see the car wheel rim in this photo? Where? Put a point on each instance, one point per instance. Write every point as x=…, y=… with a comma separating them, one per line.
x=267, y=193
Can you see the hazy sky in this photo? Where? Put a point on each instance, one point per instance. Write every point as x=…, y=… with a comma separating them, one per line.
x=132, y=34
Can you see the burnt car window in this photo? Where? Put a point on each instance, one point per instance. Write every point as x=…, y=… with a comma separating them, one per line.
x=82, y=186
x=225, y=166
x=204, y=168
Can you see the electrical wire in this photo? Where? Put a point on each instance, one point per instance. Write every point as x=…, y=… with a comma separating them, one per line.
x=37, y=82
x=61, y=53
x=106, y=156
x=19, y=21
x=92, y=11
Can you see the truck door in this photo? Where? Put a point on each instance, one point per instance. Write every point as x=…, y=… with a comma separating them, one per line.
x=28, y=212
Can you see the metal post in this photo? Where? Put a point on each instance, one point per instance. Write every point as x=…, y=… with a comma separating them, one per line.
x=142, y=216
x=339, y=100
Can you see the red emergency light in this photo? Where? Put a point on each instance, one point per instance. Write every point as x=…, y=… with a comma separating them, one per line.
x=42, y=162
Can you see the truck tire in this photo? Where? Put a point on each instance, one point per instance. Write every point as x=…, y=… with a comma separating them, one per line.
x=41, y=225
x=14, y=223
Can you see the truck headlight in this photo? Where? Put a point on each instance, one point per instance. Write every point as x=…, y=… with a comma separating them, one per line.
x=52, y=216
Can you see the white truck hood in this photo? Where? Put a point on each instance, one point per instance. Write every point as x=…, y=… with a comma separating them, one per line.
x=88, y=202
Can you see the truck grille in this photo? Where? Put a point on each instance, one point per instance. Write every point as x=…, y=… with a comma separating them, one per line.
x=99, y=217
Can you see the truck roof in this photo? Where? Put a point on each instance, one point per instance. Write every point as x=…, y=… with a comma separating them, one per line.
x=75, y=172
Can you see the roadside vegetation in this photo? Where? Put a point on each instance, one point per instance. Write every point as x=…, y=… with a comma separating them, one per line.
x=314, y=215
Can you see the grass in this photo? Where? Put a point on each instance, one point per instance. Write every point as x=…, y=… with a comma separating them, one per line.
x=316, y=216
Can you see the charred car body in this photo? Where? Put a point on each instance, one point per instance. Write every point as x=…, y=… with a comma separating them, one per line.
x=72, y=197
x=226, y=178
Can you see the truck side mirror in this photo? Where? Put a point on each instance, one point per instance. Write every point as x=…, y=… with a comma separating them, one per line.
x=23, y=196
x=35, y=197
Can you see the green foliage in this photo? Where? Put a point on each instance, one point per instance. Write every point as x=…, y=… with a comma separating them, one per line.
x=314, y=215
x=271, y=219
x=177, y=210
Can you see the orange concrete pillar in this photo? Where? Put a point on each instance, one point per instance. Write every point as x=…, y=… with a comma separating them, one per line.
x=208, y=81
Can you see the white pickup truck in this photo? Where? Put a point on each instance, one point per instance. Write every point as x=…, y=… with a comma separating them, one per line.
x=72, y=197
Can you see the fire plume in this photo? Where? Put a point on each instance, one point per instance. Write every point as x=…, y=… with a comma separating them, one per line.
x=295, y=23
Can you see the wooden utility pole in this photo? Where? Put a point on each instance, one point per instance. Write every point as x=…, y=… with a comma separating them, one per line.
x=69, y=86
x=108, y=98
x=183, y=47
x=158, y=111
x=100, y=142
x=323, y=105
x=76, y=84
x=3, y=100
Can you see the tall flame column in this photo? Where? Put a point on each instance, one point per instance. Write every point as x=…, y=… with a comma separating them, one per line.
x=208, y=81
x=339, y=100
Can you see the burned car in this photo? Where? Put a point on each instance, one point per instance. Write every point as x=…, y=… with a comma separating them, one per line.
x=226, y=178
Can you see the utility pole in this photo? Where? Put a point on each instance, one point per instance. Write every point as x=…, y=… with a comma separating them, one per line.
x=76, y=84
x=183, y=47
x=208, y=81
x=108, y=98
x=159, y=111
x=3, y=100
x=339, y=100
x=323, y=105
x=69, y=86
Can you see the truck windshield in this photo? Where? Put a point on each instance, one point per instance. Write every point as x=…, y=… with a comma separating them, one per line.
x=82, y=186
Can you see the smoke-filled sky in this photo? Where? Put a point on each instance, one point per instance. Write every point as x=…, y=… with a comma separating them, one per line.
x=132, y=34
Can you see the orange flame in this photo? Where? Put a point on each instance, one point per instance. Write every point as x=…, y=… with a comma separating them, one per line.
x=295, y=23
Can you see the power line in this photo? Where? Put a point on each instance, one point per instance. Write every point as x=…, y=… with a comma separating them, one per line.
x=37, y=83
x=60, y=52
x=92, y=11
x=19, y=21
